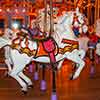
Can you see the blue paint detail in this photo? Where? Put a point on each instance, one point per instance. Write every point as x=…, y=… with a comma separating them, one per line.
x=76, y=31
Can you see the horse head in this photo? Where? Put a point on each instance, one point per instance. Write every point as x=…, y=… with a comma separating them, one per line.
x=79, y=23
x=67, y=22
x=9, y=34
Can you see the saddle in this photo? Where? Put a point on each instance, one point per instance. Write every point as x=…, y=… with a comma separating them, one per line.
x=46, y=47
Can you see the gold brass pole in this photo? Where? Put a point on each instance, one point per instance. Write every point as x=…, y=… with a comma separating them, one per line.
x=51, y=17
x=45, y=17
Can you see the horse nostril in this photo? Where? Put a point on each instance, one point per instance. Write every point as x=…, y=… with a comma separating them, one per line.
x=10, y=37
x=10, y=34
x=55, y=23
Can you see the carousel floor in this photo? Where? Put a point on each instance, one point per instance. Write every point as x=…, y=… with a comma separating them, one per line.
x=84, y=88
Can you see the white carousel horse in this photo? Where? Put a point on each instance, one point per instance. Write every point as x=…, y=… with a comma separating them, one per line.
x=98, y=51
x=98, y=34
x=98, y=48
x=23, y=51
x=67, y=25
x=97, y=26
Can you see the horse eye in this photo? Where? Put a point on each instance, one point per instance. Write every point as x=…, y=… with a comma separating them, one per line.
x=81, y=18
x=49, y=12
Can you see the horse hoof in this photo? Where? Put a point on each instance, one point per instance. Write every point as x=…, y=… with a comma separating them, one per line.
x=71, y=77
x=30, y=86
x=24, y=92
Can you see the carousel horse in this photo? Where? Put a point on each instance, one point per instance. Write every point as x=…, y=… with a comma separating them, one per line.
x=97, y=26
x=62, y=44
x=92, y=46
x=98, y=51
x=98, y=43
x=69, y=32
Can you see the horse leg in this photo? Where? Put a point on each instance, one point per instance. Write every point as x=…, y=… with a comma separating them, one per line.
x=19, y=63
x=14, y=75
x=8, y=65
x=76, y=58
x=18, y=68
x=60, y=64
x=8, y=58
x=26, y=79
x=81, y=53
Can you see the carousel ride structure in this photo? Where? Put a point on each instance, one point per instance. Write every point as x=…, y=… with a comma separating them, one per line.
x=58, y=42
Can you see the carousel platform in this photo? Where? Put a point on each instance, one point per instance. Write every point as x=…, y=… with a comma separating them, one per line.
x=84, y=88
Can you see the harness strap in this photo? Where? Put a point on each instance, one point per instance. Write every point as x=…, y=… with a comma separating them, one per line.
x=70, y=41
x=49, y=47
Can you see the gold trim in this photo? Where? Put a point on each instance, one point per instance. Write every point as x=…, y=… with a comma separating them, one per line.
x=23, y=50
x=68, y=49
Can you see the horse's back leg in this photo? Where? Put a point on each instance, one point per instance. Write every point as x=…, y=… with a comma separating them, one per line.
x=60, y=64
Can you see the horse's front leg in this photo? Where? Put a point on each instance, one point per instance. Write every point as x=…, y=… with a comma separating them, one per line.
x=81, y=53
x=74, y=56
x=8, y=58
x=19, y=63
x=8, y=65
x=20, y=81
